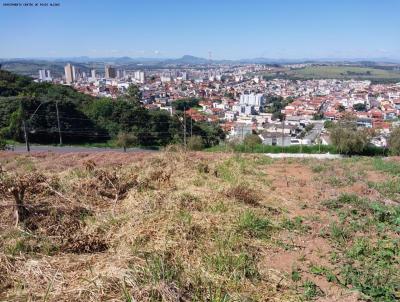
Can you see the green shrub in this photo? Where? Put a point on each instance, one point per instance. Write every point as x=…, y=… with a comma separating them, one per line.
x=195, y=143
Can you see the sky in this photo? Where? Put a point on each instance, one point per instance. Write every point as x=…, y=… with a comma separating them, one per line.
x=229, y=29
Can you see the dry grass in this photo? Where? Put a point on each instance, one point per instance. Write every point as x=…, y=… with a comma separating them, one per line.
x=169, y=226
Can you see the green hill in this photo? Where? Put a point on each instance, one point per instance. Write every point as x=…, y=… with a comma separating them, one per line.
x=85, y=118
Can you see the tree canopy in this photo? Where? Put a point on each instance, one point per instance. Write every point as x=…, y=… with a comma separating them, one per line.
x=347, y=138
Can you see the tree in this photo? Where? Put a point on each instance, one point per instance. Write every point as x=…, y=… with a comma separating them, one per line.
x=252, y=140
x=211, y=133
x=318, y=116
x=3, y=143
x=195, y=143
x=184, y=104
x=328, y=124
x=341, y=108
x=347, y=138
x=134, y=94
x=359, y=107
x=394, y=142
x=126, y=140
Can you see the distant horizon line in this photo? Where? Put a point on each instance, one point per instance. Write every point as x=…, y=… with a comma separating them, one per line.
x=272, y=59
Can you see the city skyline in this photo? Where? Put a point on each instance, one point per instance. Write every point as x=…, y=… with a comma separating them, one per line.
x=226, y=30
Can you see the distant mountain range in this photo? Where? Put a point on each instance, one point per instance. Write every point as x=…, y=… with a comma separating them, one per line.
x=192, y=60
x=30, y=66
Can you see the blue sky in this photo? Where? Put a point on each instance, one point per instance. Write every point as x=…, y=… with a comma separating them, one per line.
x=230, y=29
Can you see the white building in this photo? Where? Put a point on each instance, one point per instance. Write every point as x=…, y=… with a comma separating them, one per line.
x=243, y=109
x=70, y=75
x=139, y=76
x=230, y=116
x=256, y=100
x=44, y=75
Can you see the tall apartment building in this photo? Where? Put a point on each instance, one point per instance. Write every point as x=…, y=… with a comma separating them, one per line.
x=121, y=73
x=93, y=73
x=110, y=72
x=44, y=75
x=139, y=76
x=252, y=99
x=69, y=73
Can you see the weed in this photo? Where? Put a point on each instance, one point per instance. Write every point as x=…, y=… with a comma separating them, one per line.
x=203, y=168
x=231, y=170
x=234, y=266
x=341, y=201
x=255, y=226
x=369, y=262
x=388, y=166
x=338, y=233
x=231, y=260
x=389, y=188
x=190, y=202
x=359, y=249
x=318, y=168
x=311, y=290
x=324, y=271
x=199, y=181
x=244, y=194
x=219, y=207
x=159, y=267
x=294, y=224
x=263, y=160
x=185, y=217
x=25, y=163
x=295, y=275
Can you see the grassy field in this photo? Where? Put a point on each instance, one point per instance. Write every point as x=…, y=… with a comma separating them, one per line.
x=313, y=149
x=343, y=72
x=198, y=226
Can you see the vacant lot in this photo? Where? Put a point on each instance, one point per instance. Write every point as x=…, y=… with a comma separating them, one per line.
x=342, y=72
x=176, y=226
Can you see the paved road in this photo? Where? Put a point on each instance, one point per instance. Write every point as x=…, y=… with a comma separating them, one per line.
x=304, y=155
x=69, y=149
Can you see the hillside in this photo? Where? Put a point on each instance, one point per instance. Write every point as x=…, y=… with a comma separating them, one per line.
x=176, y=226
x=86, y=119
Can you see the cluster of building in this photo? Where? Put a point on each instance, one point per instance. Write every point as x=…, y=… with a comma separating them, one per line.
x=237, y=97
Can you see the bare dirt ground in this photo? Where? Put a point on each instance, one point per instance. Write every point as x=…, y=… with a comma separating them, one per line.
x=176, y=226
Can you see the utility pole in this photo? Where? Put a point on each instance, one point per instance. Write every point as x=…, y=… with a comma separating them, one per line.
x=26, y=136
x=184, y=126
x=58, y=123
x=283, y=132
x=191, y=127
x=319, y=143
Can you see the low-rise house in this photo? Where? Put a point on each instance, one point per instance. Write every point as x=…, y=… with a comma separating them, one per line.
x=275, y=139
x=240, y=130
x=364, y=122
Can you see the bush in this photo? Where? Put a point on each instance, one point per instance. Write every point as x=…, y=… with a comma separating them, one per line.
x=252, y=140
x=126, y=140
x=394, y=142
x=195, y=143
x=347, y=138
x=2, y=144
x=244, y=194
